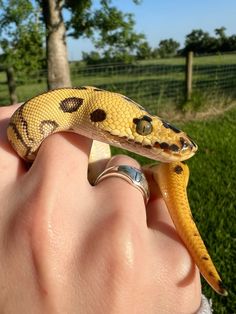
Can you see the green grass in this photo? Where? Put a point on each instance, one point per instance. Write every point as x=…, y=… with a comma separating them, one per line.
x=211, y=193
x=212, y=198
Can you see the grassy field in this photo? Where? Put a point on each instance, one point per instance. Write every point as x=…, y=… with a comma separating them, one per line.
x=205, y=60
x=212, y=197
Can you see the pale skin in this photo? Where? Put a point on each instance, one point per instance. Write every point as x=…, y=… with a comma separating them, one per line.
x=69, y=247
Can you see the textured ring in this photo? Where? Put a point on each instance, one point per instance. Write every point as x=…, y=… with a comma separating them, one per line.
x=132, y=175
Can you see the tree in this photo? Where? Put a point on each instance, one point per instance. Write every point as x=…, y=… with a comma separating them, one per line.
x=230, y=44
x=56, y=49
x=92, y=57
x=200, y=42
x=196, y=40
x=110, y=29
x=220, y=32
x=144, y=51
x=21, y=35
x=168, y=48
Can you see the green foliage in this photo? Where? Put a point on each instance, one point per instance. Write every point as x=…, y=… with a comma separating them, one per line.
x=168, y=48
x=201, y=42
x=111, y=30
x=144, y=51
x=21, y=35
x=92, y=57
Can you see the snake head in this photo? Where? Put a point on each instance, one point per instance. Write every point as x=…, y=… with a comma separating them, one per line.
x=124, y=123
x=164, y=141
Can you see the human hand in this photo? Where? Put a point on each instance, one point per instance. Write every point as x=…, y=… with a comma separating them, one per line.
x=69, y=247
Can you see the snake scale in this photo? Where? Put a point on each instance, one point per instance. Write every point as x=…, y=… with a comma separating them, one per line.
x=117, y=120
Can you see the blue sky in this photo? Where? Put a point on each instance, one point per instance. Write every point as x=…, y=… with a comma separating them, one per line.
x=161, y=19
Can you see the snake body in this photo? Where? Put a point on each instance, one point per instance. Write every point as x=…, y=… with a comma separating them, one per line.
x=117, y=120
x=168, y=177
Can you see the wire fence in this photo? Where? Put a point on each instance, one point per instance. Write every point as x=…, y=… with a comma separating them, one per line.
x=157, y=85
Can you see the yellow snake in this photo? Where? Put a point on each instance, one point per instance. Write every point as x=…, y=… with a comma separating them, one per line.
x=117, y=120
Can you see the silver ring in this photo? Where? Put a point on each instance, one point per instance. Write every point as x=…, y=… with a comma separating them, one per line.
x=132, y=175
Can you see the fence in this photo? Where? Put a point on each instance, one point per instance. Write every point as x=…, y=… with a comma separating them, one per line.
x=156, y=84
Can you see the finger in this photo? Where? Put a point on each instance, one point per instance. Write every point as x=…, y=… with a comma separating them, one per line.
x=98, y=158
x=64, y=157
x=57, y=180
x=123, y=195
x=156, y=210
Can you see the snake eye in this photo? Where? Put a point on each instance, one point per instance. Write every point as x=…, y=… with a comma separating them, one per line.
x=143, y=127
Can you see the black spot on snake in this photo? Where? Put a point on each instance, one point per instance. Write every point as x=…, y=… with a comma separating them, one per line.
x=20, y=138
x=98, y=115
x=174, y=148
x=47, y=127
x=136, y=120
x=71, y=104
x=24, y=123
x=164, y=145
x=205, y=258
x=178, y=169
x=147, y=118
x=169, y=126
x=143, y=118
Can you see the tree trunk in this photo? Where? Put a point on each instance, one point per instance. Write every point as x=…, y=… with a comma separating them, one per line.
x=11, y=85
x=57, y=60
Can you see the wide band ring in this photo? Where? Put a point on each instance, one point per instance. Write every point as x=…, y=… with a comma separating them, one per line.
x=132, y=175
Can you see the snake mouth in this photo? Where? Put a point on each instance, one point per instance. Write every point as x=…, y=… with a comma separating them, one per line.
x=159, y=152
x=182, y=148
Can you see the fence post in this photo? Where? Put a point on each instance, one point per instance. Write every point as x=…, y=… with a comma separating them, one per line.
x=189, y=74
x=11, y=85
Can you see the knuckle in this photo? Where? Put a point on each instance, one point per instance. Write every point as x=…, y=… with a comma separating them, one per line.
x=124, y=244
